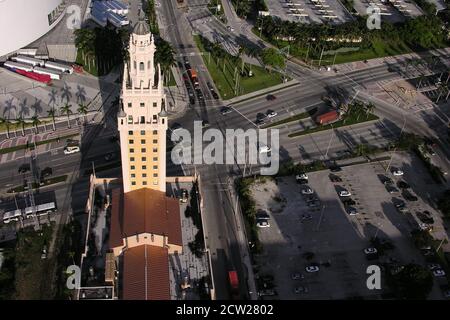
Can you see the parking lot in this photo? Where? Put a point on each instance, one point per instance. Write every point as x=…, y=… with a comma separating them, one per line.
x=309, y=11
x=327, y=236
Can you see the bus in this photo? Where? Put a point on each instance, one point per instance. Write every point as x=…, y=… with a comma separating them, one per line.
x=52, y=73
x=28, y=60
x=59, y=67
x=16, y=65
x=40, y=210
x=12, y=216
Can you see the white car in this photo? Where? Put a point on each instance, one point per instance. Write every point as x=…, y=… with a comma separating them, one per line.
x=301, y=176
x=263, y=224
x=434, y=266
x=370, y=250
x=264, y=149
x=71, y=150
x=307, y=191
x=439, y=273
x=312, y=269
x=271, y=114
x=344, y=193
x=397, y=172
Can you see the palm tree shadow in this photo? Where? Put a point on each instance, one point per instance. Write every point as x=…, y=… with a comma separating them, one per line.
x=81, y=94
x=66, y=93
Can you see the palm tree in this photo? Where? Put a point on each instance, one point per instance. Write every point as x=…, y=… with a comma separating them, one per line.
x=21, y=122
x=52, y=113
x=82, y=110
x=6, y=122
x=35, y=122
x=67, y=111
x=369, y=109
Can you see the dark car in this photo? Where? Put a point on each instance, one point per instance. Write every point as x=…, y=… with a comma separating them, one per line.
x=425, y=218
x=205, y=123
x=184, y=196
x=24, y=168
x=46, y=172
x=409, y=196
x=225, y=110
x=335, y=168
x=110, y=156
x=348, y=202
x=191, y=99
x=335, y=178
x=391, y=189
x=270, y=97
x=386, y=180
x=199, y=94
x=403, y=185
x=260, y=122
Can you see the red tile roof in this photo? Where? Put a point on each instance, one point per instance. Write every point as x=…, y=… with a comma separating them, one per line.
x=146, y=273
x=144, y=211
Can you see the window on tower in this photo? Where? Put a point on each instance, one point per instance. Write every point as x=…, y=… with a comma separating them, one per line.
x=141, y=66
x=149, y=65
x=130, y=132
x=155, y=104
x=130, y=119
x=142, y=104
x=129, y=105
x=142, y=119
x=155, y=118
x=144, y=183
x=142, y=132
x=131, y=141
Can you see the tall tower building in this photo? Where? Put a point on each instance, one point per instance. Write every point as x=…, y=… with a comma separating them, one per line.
x=142, y=120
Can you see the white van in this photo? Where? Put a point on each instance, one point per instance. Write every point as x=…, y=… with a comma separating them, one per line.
x=71, y=149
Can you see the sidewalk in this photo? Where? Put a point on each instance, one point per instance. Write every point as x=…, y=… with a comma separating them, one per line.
x=358, y=65
x=262, y=92
x=176, y=96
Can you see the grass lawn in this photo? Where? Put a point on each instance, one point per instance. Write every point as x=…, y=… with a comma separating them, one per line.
x=379, y=49
x=30, y=269
x=24, y=146
x=299, y=116
x=14, y=128
x=348, y=122
x=224, y=76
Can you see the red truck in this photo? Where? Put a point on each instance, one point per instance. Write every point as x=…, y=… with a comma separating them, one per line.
x=234, y=284
x=328, y=117
x=193, y=75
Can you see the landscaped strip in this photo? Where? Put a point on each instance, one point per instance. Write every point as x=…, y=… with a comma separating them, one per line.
x=104, y=167
x=44, y=183
x=222, y=66
x=299, y=116
x=31, y=146
x=341, y=123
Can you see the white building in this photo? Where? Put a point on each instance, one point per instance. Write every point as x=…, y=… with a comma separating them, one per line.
x=24, y=21
x=143, y=120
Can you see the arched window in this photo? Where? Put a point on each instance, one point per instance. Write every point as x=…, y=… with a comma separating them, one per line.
x=149, y=64
x=134, y=64
x=141, y=66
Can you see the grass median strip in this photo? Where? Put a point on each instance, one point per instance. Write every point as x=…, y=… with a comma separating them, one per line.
x=31, y=146
x=299, y=116
x=35, y=185
x=341, y=123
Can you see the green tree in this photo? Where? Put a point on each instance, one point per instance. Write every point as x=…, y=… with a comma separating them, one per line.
x=67, y=111
x=21, y=122
x=52, y=113
x=273, y=58
x=413, y=282
x=6, y=122
x=35, y=122
x=82, y=110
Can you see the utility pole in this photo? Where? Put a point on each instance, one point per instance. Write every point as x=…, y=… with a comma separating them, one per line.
x=329, y=143
x=321, y=54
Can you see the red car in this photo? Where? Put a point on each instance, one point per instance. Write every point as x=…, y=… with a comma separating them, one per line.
x=271, y=97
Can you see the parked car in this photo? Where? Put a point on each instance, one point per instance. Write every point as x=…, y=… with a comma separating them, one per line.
x=403, y=185
x=438, y=273
x=306, y=217
x=205, y=123
x=434, y=266
x=307, y=190
x=425, y=218
x=344, y=193
x=370, y=250
x=352, y=211
x=335, y=168
x=391, y=189
x=312, y=268
x=44, y=253
x=300, y=289
x=297, y=276
x=397, y=172
x=260, y=122
x=409, y=196
x=263, y=223
x=335, y=178
x=314, y=204
x=264, y=149
x=184, y=196
x=301, y=176
x=348, y=202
